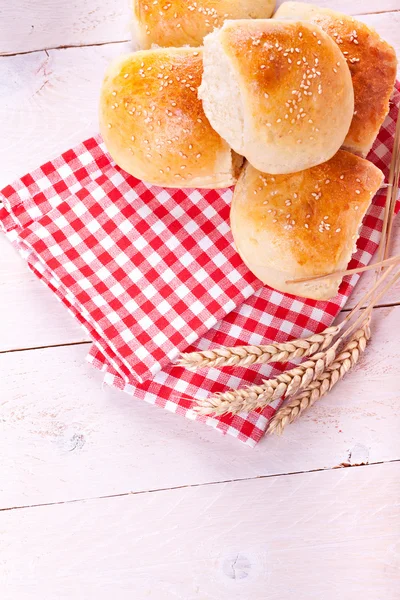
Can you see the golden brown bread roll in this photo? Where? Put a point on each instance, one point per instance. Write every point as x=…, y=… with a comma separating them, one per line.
x=305, y=224
x=153, y=123
x=187, y=22
x=372, y=63
x=279, y=92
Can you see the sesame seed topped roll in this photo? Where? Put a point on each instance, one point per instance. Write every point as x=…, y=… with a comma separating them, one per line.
x=186, y=22
x=153, y=123
x=305, y=224
x=279, y=92
x=372, y=63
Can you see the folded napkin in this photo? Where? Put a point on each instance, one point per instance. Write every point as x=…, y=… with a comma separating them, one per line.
x=149, y=272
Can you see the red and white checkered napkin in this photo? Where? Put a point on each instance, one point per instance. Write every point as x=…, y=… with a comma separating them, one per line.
x=149, y=271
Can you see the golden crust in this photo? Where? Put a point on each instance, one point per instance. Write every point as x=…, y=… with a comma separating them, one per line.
x=303, y=224
x=295, y=85
x=153, y=123
x=187, y=22
x=372, y=63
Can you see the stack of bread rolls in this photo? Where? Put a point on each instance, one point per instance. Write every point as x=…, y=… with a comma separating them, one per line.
x=285, y=108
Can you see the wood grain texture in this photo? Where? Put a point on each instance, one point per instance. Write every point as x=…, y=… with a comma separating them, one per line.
x=63, y=437
x=330, y=535
x=320, y=535
x=28, y=26
x=49, y=104
x=31, y=316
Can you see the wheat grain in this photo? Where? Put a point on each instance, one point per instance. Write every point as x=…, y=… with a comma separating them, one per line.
x=343, y=363
x=259, y=396
x=245, y=356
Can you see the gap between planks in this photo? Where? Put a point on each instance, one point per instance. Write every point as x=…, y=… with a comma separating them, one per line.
x=198, y=485
x=89, y=342
x=2, y=55
x=124, y=41
x=29, y=348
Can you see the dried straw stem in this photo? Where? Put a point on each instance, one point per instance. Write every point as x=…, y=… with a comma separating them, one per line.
x=259, y=396
x=245, y=356
x=343, y=363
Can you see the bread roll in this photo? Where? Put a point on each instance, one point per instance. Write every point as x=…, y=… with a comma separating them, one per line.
x=279, y=92
x=153, y=123
x=372, y=64
x=186, y=22
x=305, y=224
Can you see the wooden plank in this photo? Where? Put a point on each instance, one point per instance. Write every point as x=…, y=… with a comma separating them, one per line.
x=28, y=26
x=52, y=24
x=31, y=316
x=64, y=437
x=324, y=535
x=49, y=104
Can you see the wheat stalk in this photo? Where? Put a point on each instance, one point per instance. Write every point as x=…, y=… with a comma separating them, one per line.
x=343, y=363
x=258, y=396
x=316, y=377
x=245, y=356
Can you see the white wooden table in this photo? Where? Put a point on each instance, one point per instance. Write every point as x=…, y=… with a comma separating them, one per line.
x=102, y=496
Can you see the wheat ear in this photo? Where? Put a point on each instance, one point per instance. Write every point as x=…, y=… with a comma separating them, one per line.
x=245, y=356
x=343, y=363
x=259, y=396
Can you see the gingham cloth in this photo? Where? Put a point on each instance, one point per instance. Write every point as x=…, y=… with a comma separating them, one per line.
x=149, y=271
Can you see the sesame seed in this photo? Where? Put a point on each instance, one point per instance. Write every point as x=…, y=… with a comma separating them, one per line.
x=306, y=225
x=338, y=230
x=109, y=125
x=342, y=177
